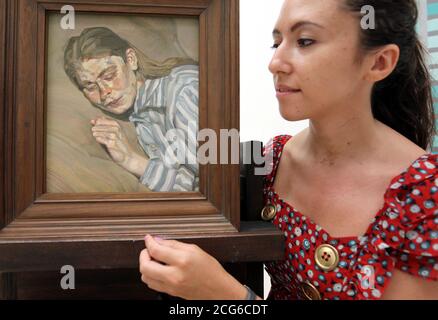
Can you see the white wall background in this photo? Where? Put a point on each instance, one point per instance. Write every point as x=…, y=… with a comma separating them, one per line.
x=259, y=115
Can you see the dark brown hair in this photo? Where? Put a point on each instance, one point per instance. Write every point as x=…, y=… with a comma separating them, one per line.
x=403, y=100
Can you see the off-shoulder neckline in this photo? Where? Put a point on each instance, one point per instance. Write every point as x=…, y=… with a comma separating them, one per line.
x=302, y=216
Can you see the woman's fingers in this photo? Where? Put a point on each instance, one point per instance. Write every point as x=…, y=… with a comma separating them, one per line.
x=105, y=141
x=144, y=257
x=105, y=128
x=156, y=285
x=104, y=121
x=186, y=272
x=164, y=267
x=153, y=270
x=167, y=251
x=110, y=128
x=106, y=135
x=147, y=279
x=174, y=244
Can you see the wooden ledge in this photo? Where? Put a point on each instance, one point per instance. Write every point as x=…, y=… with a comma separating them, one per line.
x=256, y=242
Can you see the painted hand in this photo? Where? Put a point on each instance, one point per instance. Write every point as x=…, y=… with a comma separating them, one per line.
x=110, y=134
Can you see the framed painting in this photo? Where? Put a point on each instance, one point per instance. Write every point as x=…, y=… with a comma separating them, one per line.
x=94, y=95
x=122, y=92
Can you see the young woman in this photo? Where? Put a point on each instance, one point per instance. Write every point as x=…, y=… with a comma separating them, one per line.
x=159, y=98
x=356, y=193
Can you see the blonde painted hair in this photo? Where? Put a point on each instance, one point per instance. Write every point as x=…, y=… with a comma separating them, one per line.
x=100, y=42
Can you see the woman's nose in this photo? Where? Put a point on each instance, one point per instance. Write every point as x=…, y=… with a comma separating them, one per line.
x=104, y=91
x=281, y=62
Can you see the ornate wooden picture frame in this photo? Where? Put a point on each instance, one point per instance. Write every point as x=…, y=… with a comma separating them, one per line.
x=43, y=231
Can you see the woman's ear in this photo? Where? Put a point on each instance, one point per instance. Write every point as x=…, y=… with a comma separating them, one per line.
x=131, y=59
x=383, y=63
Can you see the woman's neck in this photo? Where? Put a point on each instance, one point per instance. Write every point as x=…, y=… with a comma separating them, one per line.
x=140, y=83
x=341, y=137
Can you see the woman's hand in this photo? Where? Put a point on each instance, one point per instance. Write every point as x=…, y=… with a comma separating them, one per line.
x=110, y=134
x=186, y=271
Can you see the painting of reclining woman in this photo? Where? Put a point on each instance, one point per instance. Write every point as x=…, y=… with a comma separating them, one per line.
x=145, y=111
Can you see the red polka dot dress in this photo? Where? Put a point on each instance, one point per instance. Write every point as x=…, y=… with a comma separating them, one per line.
x=403, y=235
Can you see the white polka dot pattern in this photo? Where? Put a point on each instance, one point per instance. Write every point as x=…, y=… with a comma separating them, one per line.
x=403, y=235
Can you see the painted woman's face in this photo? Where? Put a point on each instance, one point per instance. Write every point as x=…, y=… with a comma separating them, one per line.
x=315, y=64
x=108, y=83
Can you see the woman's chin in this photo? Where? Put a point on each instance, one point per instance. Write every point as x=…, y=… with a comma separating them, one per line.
x=292, y=114
x=117, y=110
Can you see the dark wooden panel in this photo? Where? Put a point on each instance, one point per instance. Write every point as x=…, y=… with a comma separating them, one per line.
x=8, y=286
x=7, y=77
x=2, y=106
x=120, y=284
x=257, y=241
x=137, y=3
x=89, y=284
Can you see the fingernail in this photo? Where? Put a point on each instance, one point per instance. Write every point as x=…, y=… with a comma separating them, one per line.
x=158, y=239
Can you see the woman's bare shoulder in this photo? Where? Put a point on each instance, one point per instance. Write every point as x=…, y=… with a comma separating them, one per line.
x=399, y=149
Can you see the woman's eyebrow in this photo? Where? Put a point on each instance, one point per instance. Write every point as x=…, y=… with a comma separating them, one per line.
x=298, y=25
x=109, y=69
x=83, y=82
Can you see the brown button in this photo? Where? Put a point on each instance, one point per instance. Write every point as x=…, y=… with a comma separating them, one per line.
x=310, y=292
x=326, y=257
x=268, y=212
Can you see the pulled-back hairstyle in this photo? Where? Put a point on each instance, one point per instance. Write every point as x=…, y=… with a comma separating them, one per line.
x=403, y=100
x=99, y=42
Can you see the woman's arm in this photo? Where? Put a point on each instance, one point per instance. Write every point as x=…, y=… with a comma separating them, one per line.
x=186, y=271
x=172, y=143
x=110, y=133
x=404, y=286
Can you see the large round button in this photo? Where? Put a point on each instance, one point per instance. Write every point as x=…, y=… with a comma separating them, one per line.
x=309, y=291
x=326, y=257
x=268, y=212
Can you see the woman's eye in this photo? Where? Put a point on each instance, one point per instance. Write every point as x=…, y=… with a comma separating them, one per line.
x=109, y=77
x=275, y=46
x=90, y=87
x=305, y=42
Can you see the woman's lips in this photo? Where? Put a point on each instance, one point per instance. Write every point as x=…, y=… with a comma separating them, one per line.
x=114, y=103
x=283, y=91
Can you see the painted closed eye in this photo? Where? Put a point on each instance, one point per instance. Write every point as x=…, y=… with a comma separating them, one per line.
x=109, y=76
x=90, y=87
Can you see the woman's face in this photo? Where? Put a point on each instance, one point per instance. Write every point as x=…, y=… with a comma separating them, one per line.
x=108, y=83
x=315, y=64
